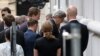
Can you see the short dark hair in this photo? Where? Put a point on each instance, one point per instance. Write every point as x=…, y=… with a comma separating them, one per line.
x=6, y=9
x=32, y=22
x=8, y=19
x=33, y=11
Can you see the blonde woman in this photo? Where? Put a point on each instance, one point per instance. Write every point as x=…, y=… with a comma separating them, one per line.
x=47, y=45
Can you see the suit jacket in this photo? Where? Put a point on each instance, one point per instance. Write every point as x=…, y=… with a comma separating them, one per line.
x=55, y=30
x=20, y=37
x=84, y=37
x=1, y=26
x=23, y=27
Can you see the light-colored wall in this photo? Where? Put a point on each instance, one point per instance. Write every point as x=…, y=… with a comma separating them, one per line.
x=7, y=3
x=44, y=12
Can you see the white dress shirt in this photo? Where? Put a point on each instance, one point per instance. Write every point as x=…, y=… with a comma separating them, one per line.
x=5, y=49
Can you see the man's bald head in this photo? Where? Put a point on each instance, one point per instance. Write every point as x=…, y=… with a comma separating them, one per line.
x=72, y=11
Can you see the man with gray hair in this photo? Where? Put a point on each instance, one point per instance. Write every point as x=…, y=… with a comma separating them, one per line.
x=58, y=18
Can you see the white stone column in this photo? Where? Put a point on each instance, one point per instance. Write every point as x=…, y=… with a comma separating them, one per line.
x=63, y=5
x=97, y=10
x=52, y=5
x=96, y=41
x=92, y=11
x=88, y=8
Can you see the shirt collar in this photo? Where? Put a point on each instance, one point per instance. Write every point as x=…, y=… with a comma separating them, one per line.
x=5, y=26
x=72, y=20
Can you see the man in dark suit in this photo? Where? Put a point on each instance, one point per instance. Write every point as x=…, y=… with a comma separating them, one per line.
x=4, y=11
x=57, y=19
x=33, y=13
x=71, y=16
x=8, y=22
x=8, y=19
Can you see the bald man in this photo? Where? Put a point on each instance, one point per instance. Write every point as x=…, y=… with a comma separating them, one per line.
x=71, y=17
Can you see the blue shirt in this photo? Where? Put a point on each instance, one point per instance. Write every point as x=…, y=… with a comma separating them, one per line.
x=30, y=38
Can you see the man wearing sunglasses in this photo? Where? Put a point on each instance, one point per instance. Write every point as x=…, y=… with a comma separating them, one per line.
x=4, y=11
